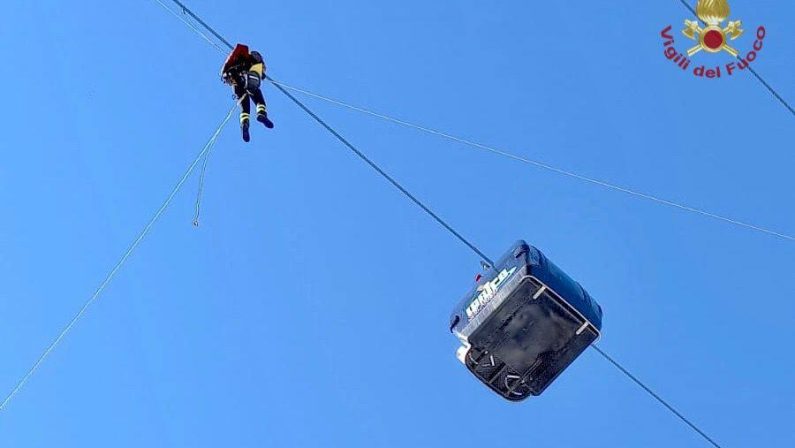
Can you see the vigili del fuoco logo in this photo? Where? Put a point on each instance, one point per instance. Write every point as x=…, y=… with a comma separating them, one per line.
x=711, y=37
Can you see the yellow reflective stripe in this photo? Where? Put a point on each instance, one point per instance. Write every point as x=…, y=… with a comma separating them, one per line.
x=244, y=117
x=261, y=108
x=258, y=69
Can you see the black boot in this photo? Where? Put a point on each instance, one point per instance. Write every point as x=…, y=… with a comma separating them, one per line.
x=262, y=116
x=244, y=130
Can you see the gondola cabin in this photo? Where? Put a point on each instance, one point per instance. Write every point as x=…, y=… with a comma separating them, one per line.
x=524, y=323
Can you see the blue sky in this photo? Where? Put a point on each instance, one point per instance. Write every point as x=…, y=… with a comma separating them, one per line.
x=311, y=307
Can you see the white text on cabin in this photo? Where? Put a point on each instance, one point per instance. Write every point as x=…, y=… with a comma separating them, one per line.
x=487, y=292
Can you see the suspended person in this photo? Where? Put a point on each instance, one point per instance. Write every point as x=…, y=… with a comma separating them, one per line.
x=244, y=70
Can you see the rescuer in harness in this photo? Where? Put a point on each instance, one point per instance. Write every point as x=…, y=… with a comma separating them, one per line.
x=244, y=70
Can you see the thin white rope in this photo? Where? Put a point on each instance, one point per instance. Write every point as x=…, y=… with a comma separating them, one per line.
x=542, y=165
x=200, y=191
x=119, y=264
x=190, y=25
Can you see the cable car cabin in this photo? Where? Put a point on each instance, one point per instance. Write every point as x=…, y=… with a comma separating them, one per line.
x=523, y=324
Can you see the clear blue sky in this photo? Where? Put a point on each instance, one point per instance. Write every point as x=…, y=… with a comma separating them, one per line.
x=311, y=307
